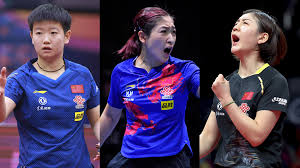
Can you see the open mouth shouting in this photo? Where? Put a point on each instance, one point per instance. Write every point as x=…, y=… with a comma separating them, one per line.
x=168, y=50
x=235, y=39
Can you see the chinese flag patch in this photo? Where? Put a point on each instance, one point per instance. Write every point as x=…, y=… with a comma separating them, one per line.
x=77, y=89
x=248, y=96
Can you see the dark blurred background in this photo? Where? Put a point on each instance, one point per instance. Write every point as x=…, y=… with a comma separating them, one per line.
x=16, y=49
x=203, y=35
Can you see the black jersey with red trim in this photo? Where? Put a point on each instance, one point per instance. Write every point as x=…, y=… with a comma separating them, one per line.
x=265, y=90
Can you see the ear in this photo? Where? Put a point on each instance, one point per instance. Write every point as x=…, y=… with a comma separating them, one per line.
x=31, y=37
x=67, y=36
x=262, y=38
x=142, y=36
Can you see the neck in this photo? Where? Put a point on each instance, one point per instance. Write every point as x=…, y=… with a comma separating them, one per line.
x=249, y=65
x=50, y=66
x=146, y=61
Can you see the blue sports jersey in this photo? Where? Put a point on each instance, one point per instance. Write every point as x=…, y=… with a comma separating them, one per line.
x=155, y=105
x=50, y=115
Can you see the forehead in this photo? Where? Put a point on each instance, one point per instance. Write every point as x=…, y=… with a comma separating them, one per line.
x=47, y=24
x=248, y=16
x=165, y=21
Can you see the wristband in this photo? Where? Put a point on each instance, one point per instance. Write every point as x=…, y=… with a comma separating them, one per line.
x=228, y=104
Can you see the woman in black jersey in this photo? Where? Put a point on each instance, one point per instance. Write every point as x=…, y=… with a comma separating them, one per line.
x=250, y=105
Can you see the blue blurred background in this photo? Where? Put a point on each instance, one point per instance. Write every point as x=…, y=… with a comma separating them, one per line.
x=16, y=49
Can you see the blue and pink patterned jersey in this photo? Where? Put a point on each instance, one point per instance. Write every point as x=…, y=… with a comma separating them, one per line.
x=155, y=105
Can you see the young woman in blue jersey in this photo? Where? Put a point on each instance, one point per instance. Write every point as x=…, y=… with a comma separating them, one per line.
x=51, y=97
x=153, y=87
x=250, y=104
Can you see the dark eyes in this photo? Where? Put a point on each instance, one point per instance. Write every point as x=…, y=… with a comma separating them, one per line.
x=167, y=31
x=39, y=33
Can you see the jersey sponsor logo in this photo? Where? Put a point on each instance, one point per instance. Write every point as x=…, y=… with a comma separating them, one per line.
x=167, y=92
x=42, y=100
x=167, y=105
x=129, y=93
x=79, y=101
x=219, y=106
x=280, y=101
x=244, y=107
x=40, y=91
x=77, y=89
x=38, y=108
x=220, y=113
x=79, y=116
x=247, y=96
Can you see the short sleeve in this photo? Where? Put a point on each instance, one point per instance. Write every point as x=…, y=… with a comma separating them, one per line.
x=94, y=94
x=275, y=96
x=115, y=98
x=194, y=77
x=13, y=89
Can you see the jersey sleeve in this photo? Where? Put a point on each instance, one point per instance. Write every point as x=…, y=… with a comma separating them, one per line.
x=94, y=94
x=13, y=89
x=115, y=98
x=275, y=96
x=194, y=79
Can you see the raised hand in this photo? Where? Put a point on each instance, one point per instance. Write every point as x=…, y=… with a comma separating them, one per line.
x=221, y=89
x=2, y=80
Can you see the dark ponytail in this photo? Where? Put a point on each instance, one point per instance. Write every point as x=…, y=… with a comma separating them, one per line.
x=144, y=21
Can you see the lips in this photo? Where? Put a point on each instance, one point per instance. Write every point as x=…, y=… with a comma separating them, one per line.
x=46, y=48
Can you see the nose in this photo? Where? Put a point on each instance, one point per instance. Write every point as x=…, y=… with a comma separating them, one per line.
x=171, y=39
x=235, y=27
x=46, y=39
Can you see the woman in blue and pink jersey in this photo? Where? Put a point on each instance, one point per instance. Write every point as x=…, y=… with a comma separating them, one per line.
x=153, y=87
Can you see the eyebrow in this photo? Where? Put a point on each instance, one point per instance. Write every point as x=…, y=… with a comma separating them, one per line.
x=244, y=20
x=168, y=27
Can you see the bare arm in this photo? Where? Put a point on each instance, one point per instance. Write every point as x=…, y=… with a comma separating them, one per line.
x=108, y=120
x=210, y=136
x=255, y=131
x=6, y=104
x=94, y=119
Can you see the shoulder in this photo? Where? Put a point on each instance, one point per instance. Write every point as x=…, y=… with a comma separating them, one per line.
x=183, y=63
x=272, y=75
x=19, y=73
x=124, y=65
x=78, y=68
x=232, y=75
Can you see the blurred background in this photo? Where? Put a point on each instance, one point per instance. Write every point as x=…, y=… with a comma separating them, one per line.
x=16, y=49
x=203, y=35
